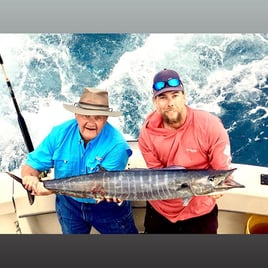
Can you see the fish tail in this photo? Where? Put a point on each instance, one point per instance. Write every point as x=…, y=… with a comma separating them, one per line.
x=18, y=179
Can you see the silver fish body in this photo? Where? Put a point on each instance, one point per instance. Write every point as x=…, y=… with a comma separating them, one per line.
x=142, y=184
x=145, y=184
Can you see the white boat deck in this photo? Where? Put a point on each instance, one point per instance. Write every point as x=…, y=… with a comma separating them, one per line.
x=235, y=206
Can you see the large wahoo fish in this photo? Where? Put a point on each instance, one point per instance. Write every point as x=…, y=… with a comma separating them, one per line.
x=143, y=184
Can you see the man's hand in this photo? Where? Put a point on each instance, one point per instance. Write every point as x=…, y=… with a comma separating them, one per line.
x=35, y=186
x=30, y=182
x=101, y=199
x=216, y=196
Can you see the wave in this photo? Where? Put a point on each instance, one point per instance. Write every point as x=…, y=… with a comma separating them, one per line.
x=225, y=74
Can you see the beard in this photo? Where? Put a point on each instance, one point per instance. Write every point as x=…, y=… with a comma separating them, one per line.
x=170, y=120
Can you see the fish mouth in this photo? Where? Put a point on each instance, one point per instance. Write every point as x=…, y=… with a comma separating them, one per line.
x=229, y=183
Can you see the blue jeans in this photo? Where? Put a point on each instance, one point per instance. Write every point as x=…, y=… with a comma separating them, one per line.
x=106, y=217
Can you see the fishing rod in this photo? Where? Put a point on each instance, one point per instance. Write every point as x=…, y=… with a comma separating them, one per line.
x=21, y=121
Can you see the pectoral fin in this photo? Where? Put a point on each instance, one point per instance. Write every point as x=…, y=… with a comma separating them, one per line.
x=186, y=201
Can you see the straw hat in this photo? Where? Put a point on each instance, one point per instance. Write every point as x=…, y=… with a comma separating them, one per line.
x=92, y=102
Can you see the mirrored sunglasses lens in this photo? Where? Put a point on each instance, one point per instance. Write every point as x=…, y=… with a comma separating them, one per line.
x=159, y=85
x=173, y=82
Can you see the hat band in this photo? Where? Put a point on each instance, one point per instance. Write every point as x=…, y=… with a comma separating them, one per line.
x=98, y=107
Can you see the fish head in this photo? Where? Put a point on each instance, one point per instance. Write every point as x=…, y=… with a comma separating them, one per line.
x=214, y=181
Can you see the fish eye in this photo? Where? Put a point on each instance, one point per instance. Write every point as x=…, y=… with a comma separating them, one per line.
x=211, y=179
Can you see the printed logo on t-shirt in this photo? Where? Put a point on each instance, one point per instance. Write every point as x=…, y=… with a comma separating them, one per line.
x=191, y=150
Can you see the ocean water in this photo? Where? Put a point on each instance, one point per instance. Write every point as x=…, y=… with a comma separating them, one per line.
x=226, y=74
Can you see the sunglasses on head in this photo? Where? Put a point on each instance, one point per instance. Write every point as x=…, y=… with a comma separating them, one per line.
x=172, y=82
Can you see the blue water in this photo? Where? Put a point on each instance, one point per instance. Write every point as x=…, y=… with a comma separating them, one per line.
x=226, y=74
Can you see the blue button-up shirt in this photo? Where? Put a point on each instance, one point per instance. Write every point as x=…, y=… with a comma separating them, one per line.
x=63, y=149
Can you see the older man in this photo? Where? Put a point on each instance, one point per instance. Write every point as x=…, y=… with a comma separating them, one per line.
x=79, y=146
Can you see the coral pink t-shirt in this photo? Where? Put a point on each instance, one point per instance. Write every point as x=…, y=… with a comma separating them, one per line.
x=200, y=143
